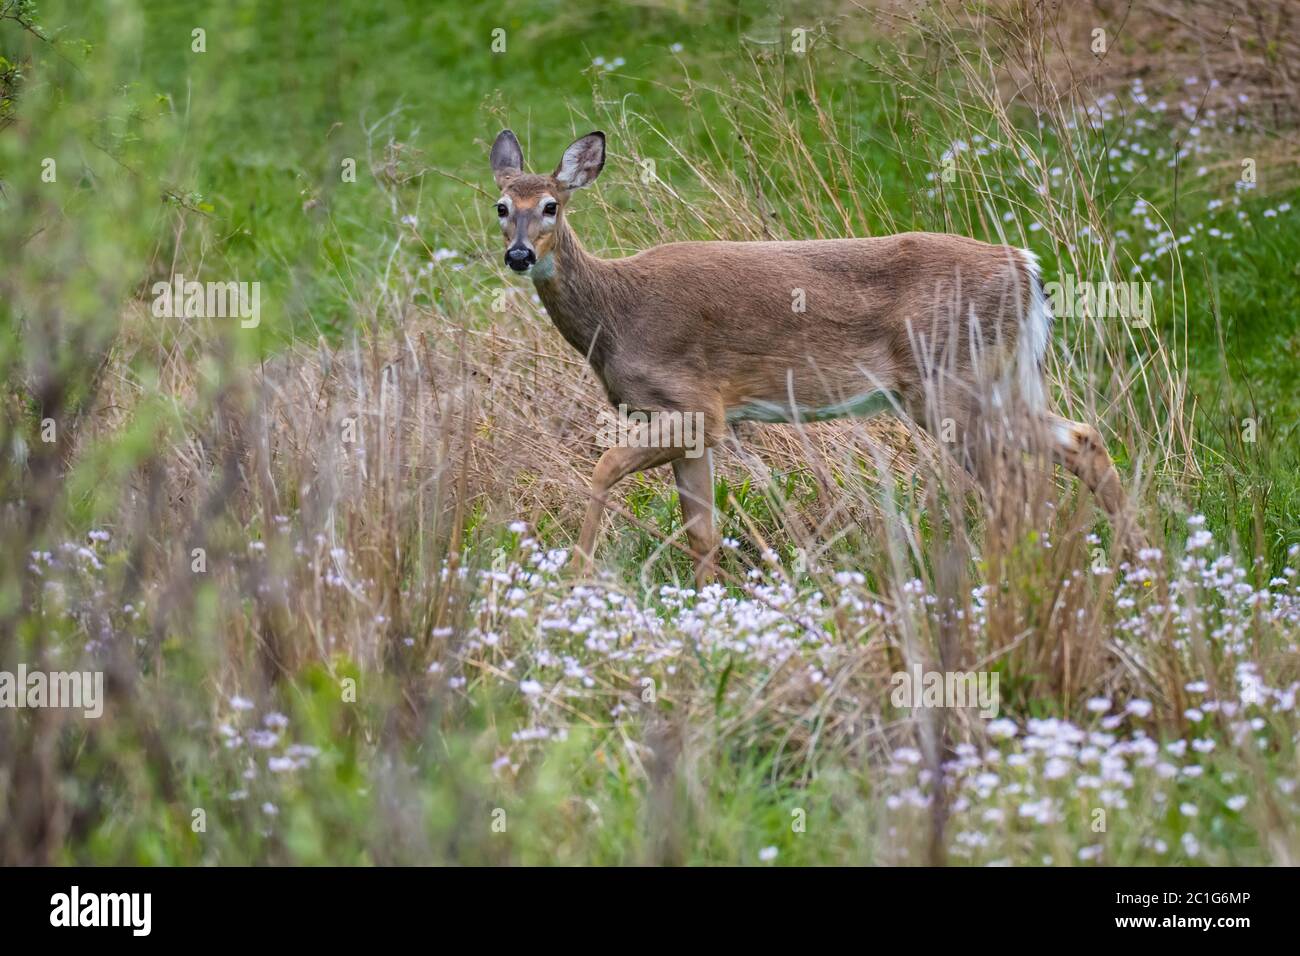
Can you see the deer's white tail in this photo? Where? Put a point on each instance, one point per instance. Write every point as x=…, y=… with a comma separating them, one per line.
x=1035, y=334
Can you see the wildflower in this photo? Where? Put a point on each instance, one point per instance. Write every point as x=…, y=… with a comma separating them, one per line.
x=1139, y=708
x=263, y=739
x=1002, y=728
x=909, y=755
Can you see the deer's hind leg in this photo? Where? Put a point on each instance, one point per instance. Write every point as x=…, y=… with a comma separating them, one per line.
x=1079, y=447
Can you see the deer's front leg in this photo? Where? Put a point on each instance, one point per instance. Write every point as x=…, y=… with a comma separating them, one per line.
x=615, y=465
x=695, y=489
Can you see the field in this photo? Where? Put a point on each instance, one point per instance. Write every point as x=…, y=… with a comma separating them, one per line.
x=321, y=551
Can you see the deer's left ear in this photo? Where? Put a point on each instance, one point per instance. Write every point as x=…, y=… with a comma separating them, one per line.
x=582, y=161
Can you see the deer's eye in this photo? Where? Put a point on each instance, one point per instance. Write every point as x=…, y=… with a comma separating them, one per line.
x=502, y=210
x=550, y=209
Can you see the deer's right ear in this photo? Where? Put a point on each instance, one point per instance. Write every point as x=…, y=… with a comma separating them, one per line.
x=507, y=157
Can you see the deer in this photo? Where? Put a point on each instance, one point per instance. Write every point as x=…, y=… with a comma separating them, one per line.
x=940, y=328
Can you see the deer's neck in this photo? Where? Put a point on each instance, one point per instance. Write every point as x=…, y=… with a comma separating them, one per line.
x=579, y=292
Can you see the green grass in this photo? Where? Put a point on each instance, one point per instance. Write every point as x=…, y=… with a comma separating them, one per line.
x=227, y=164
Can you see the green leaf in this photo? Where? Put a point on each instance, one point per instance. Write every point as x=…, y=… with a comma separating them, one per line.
x=723, y=678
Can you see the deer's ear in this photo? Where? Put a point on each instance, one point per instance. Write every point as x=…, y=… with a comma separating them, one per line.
x=507, y=157
x=582, y=161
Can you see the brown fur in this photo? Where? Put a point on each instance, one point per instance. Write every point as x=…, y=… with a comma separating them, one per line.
x=711, y=326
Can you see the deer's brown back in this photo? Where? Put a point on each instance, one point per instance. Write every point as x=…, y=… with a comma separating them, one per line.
x=815, y=323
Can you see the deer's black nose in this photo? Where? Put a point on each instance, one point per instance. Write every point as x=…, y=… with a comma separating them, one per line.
x=520, y=258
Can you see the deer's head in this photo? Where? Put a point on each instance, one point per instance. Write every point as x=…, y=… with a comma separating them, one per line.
x=532, y=206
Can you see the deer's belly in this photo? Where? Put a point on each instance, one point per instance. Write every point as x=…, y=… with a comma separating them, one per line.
x=863, y=405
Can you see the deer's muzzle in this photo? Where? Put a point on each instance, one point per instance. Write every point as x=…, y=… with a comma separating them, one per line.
x=520, y=258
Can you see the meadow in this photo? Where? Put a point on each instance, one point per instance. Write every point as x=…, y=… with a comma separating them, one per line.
x=324, y=558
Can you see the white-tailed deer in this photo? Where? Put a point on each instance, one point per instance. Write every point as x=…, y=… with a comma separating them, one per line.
x=950, y=329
